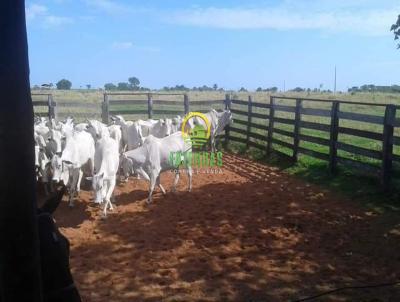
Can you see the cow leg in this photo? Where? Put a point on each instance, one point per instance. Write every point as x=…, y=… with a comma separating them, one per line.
x=153, y=180
x=110, y=189
x=190, y=174
x=160, y=186
x=74, y=182
x=175, y=180
x=78, y=185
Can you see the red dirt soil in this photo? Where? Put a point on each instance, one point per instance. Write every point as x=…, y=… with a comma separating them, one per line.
x=251, y=234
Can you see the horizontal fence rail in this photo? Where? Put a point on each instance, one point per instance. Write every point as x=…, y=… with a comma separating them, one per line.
x=288, y=126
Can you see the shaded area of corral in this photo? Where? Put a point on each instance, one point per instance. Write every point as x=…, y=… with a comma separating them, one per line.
x=251, y=234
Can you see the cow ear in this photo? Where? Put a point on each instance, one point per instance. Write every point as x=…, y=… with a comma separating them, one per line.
x=89, y=178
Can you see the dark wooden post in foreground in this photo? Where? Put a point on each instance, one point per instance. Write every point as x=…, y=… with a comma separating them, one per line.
x=297, y=120
x=387, y=145
x=19, y=246
x=105, y=113
x=228, y=104
x=186, y=103
x=270, y=125
x=334, y=133
x=150, y=105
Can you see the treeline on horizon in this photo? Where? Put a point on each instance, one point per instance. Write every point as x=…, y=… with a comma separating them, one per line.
x=133, y=84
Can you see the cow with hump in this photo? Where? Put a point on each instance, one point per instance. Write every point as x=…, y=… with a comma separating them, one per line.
x=153, y=158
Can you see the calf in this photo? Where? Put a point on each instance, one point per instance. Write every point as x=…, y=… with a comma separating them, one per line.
x=153, y=158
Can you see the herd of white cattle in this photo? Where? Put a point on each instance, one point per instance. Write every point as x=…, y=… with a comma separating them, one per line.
x=65, y=152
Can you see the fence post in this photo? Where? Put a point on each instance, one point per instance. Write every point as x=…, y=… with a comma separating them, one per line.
x=105, y=110
x=228, y=104
x=51, y=107
x=249, y=118
x=334, y=132
x=150, y=105
x=186, y=104
x=270, y=125
x=387, y=145
x=296, y=137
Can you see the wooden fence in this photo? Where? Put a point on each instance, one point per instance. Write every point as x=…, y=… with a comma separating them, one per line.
x=153, y=105
x=252, y=137
x=260, y=120
x=135, y=105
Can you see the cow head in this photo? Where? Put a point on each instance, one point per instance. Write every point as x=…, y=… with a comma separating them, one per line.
x=60, y=170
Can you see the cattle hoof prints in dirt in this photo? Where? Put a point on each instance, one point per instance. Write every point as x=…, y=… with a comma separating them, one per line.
x=254, y=234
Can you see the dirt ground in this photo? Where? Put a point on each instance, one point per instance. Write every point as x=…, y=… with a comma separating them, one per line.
x=251, y=234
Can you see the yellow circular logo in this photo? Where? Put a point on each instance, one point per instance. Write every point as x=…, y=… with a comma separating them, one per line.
x=195, y=130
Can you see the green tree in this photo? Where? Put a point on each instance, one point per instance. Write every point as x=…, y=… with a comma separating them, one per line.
x=88, y=86
x=134, y=83
x=215, y=87
x=123, y=86
x=259, y=89
x=64, y=84
x=110, y=86
x=243, y=89
x=396, y=30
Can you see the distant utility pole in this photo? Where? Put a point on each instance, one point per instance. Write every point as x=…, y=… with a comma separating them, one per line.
x=334, y=86
x=284, y=86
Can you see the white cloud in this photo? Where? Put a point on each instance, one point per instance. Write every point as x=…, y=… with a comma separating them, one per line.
x=122, y=45
x=291, y=15
x=40, y=13
x=54, y=21
x=35, y=10
x=107, y=6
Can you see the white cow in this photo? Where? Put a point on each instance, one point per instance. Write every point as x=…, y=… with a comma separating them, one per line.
x=153, y=157
x=132, y=137
x=106, y=162
x=55, y=143
x=81, y=127
x=176, y=124
x=97, y=129
x=160, y=128
x=77, y=157
x=218, y=121
x=116, y=133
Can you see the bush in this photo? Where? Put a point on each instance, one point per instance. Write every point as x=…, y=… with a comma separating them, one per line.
x=64, y=84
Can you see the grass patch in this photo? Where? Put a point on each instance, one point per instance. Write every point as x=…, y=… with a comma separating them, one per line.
x=365, y=190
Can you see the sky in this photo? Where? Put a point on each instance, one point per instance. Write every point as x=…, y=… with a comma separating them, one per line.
x=253, y=43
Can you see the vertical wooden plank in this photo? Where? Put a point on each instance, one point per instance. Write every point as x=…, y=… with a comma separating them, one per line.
x=150, y=105
x=228, y=104
x=249, y=119
x=50, y=111
x=297, y=120
x=387, y=145
x=52, y=108
x=186, y=104
x=270, y=125
x=105, y=109
x=334, y=132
